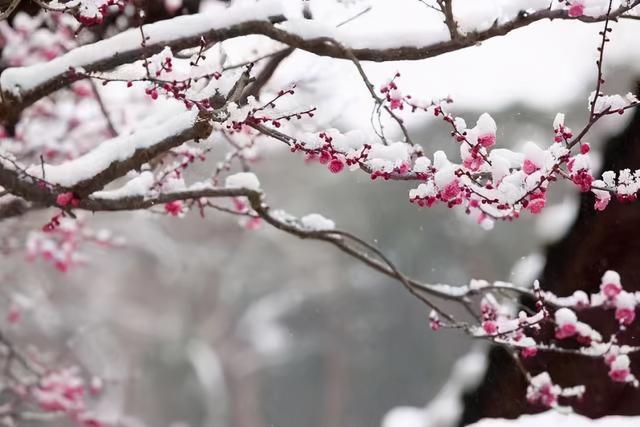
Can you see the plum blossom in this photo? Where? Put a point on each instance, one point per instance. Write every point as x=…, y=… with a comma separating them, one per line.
x=625, y=304
x=619, y=369
x=175, y=208
x=610, y=285
x=542, y=390
x=576, y=8
x=566, y=322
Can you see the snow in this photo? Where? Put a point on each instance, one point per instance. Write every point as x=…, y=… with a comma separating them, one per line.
x=608, y=102
x=554, y=221
x=445, y=409
x=423, y=190
x=565, y=316
x=387, y=157
x=515, y=69
x=246, y=180
x=421, y=164
x=534, y=53
x=351, y=140
x=138, y=186
x=454, y=291
x=405, y=416
x=486, y=124
x=20, y=79
x=263, y=323
x=577, y=299
x=366, y=37
x=206, y=364
x=621, y=362
x=554, y=418
x=611, y=276
x=283, y=216
x=625, y=300
x=317, y=222
x=70, y=173
x=502, y=160
x=534, y=153
x=527, y=269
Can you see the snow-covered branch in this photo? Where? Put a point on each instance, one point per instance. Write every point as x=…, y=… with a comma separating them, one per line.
x=22, y=86
x=184, y=105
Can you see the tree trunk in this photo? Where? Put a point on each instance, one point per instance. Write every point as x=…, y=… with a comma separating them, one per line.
x=597, y=242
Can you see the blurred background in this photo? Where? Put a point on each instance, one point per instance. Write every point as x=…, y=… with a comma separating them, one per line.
x=202, y=322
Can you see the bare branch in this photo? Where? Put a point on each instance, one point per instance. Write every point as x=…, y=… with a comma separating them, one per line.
x=4, y=14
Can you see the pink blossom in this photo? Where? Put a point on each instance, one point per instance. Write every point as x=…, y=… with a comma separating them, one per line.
x=65, y=199
x=487, y=140
x=403, y=168
x=542, y=390
x=434, y=321
x=172, y=6
x=547, y=396
x=529, y=352
x=529, y=167
x=395, y=99
x=583, y=180
x=536, y=205
x=625, y=304
x=62, y=265
x=96, y=385
x=451, y=190
x=619, y=375
x=325, y=157
x=490, y=327
x=576, y=9
x=60, y=391
x=88, y=420
x=174, y=208
x=625, y=316
x=50, y=53
x=601, y=203
x=473, y=162
x=395, y=104
x=610, y=290
x=566, y=331
x=254, y=223
x=619, y=369
x=82, y=90
x=336, y=165
x=239, y=204
x=14, y=313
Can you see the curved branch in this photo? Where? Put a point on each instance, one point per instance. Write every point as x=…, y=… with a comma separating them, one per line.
x=23, y=86
x=337, y=238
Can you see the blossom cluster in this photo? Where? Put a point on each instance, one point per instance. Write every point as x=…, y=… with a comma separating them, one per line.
x=62, y=239
x=556, y=326
x=65, y=391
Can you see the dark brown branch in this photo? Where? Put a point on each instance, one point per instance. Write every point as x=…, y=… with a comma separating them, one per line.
x=265, y=75
x=336, y=237
x=600, y=63
x=103, y=109
x=14, y=208
x=12, y=4
x=10, y=107
x=200, y=130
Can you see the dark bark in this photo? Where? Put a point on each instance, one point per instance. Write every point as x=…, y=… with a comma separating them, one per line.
x=597, y=242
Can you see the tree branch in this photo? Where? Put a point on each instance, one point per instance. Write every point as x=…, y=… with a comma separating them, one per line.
x=126, y=48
